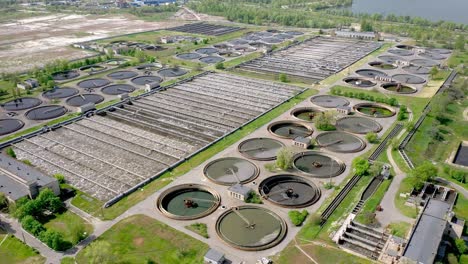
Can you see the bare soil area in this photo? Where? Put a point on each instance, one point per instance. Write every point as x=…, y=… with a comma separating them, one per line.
x=35, y=41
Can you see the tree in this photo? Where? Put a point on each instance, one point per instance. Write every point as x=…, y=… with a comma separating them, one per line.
x=372, y=137
x=434, y=71
x=11, y=152
x=32, y=225
x=60, y=178
x=3, y=201
x=54, y=240
x=366, y=26
x=99, y=252
x=284, y=159
x=49, y=201
x=297, y=218
x=461, y=246
x=421, y=174
x=460, y=43
x=360, y=166
x=283, y=77
x=325, y=121
x=375, y=169
x=219, y=66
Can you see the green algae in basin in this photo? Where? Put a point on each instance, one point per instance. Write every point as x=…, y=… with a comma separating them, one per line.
x=374, y=110
x=251, y=228
x=305, y=113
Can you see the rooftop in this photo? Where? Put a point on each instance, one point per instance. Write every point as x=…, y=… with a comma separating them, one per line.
x=240, y=189
x=214, y=255
x=18, y=170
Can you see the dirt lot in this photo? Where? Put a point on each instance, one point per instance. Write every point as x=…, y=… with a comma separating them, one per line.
x=35, y=41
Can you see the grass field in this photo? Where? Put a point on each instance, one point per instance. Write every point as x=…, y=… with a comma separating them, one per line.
x=71, y=226
x=130, y=200
x=141, y=239
x=399, y=229
x=13, y=250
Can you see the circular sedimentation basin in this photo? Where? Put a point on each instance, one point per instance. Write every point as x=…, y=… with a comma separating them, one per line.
x=318, y=164
x=142, y=80
x=329, y=101
x=272, y=40
x=117, y=89
x=342, y=142
x=207, y=51
x=289, y=129
x=236, y=42
x=46, y=112
x=390, y=59
x=82, y=99
x=93, y=83
x=415, y=69
x=382, y=65
x=404, y=46
x=211, y=59
x=439, y=50
x=432, y=56
x=369, y=73
x=294, y=33
x=399, y=88
x=289, y=191
x=115, y=61
x=65, y=75
x=10, y=125
x=147, y=67
x=305, y=113
x=22, y=103
x=122, y=75
x=424, y=62
x=359, y=82
x=231, y=170
x=358, y=125
x=172, y=72
x=92, y=68
x=408, y=78
x=260, y=148
x=188, y=56
x=251, y=228
x=401, y=52
x=374, y=110
x=188, y=201
x=60, y=93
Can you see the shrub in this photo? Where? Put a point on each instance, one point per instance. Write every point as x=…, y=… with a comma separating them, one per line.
x=372, y=137
x=32, y=225
x=283, y=77
x=421, y=174
x=271, y=167
x=3, y=201
x=297, y=218
x=219, y=66
x=461, y=245
x=369, y=218
x=11, y=152
x=54, y=240
x=360, y=166
x=254, y=198
x=60, y=178
x=452, y=259
x=458, y=175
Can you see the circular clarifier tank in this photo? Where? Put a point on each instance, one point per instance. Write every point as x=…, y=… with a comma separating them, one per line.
x=404, y=46
x=416, y=69
x=10, y=125
x=401, y=52
x=92, y=68
x=22, y=103
x=305, y=113
x=338, y=141
x=207, y=51
x=358, y=125
x=46, y=112
x=142, y=80
x=390, y=59
x=188, y=201
x=289, y=191
x=318, y=164
x=424, y=62
x=117, y=89
x=370, y=73
x=60, y=93
x=432, y=56
x=93, y=83
x=82, y=99
x=251, y=228
x=294, y=33
x=329, y=101
x=122, y=75
x=359, y=82
x=399, y=88
x=115, y=61
x=65, y=75
x=211, y=59
x=272, y=40
x=289, y=129
x=230, y=170
x=237, y=42
x=408, y=78
x=374, y=110
x=147, y=67
x=188, y=56
x=260, y=148
x=172, y=72
x=382, y=65
x=439, y=50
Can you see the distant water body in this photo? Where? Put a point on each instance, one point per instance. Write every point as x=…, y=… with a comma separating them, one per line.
x=434, y=10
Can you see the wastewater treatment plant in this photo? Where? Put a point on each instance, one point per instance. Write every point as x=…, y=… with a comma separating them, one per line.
x=233, y=143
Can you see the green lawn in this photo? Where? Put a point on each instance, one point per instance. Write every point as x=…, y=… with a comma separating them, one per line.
x=199, y=228
x=132, y=199
x=67, y=260
x=13, y=250
x=399, y=229
x=141, y=239
x=409, y=211
x=71, y=226
x=370, y=205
